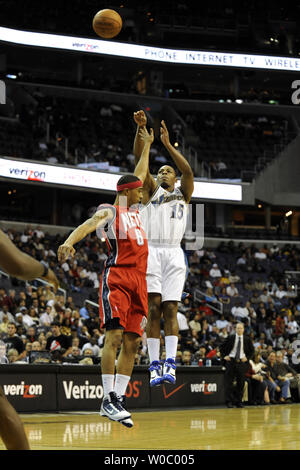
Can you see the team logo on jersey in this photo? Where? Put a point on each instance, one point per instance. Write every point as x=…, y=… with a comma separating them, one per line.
x=164, y=198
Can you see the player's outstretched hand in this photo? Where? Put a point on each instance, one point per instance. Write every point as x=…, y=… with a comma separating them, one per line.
x=64, y=251
x=164, y=134
x=140, y=118
x=52, y=279
x=145, y=136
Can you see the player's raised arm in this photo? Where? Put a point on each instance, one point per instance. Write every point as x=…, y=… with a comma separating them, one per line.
x=99, y=219
x=187, y=176
x=140, y=119
x=142, y=167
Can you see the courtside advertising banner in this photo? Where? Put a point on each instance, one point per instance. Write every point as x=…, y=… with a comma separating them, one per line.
x=81, y=391
x=32, y=392
x=135, y=51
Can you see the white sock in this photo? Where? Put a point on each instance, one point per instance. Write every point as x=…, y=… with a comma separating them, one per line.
x=121, y=384
x=171, y=347
x=108, y=383
x=153, y=348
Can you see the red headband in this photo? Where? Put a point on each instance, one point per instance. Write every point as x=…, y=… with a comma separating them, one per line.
x=132, y=185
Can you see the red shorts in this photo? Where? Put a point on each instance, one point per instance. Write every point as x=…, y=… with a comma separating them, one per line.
x=123, y=296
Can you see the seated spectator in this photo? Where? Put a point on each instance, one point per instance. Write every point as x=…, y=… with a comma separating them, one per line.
x=210, y=296
x=200, y=356
x=292, y=328
x=215, y=272
x=250, y=285
x=195, y=323
x=232, y=291
x=260, y=254
x=75, y=355
x=31, y=334
x=92, y=344
x=287, y=374
x=234, y=278
x=13, y=341
x=275, y=381
x=222, y=322
x=255, y=300
x=186, y=359
x=223, y=296
x=264, y=296
x=240, y=312
x=183, y=326
x=57, y=341
x=12, y=356
x=280, y=292
x=258, y=389
x=4, y=324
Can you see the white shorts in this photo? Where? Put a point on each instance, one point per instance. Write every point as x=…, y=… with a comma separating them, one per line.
x=166, y=272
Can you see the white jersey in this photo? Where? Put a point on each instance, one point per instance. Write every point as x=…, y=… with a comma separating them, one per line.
x=164, y=217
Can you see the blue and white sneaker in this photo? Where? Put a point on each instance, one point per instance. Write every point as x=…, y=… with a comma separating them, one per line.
x=155, y=370
x=169, y=371
x=112, y=408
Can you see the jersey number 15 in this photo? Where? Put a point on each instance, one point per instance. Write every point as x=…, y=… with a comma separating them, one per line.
x=177, y=211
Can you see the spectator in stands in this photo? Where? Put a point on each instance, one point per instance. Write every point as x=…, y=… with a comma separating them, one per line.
x=241, y=312
x=3, y=325
x=292, y=328
x=13, y=356
x=232, y=291
x=186, y=359
x=215, y=272
x=195, y=324
x=274, y=383
x=5, y=311
x=280, y=292
x=92, y=344
x=234, y=278
x=224, y=297
x=58, y=341
x=13, y=341
x=286, y=374
x=258, y=385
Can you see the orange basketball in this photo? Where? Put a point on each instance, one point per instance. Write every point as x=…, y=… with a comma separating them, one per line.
x=107, y=23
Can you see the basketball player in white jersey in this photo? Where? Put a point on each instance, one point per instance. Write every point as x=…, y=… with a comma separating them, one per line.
x=164, y=216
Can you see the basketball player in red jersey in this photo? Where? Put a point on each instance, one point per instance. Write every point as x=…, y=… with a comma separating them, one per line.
x=123, y=289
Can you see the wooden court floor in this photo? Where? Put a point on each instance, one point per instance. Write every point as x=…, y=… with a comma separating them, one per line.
x=275, y=427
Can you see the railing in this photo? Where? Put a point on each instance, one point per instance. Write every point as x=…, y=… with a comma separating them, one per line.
x=91, y=303
x=199, y=296
x=3, y=273
x=60, y=289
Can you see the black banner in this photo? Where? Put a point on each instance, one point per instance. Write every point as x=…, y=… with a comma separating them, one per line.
x=34, y=388
x=30, y=392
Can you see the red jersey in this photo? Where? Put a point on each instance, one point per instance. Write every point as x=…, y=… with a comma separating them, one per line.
x=126, y=239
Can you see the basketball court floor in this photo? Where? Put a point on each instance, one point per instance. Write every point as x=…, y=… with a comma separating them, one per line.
x=275, y=427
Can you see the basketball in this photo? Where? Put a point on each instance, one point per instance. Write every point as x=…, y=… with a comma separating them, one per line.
x=107, y=23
